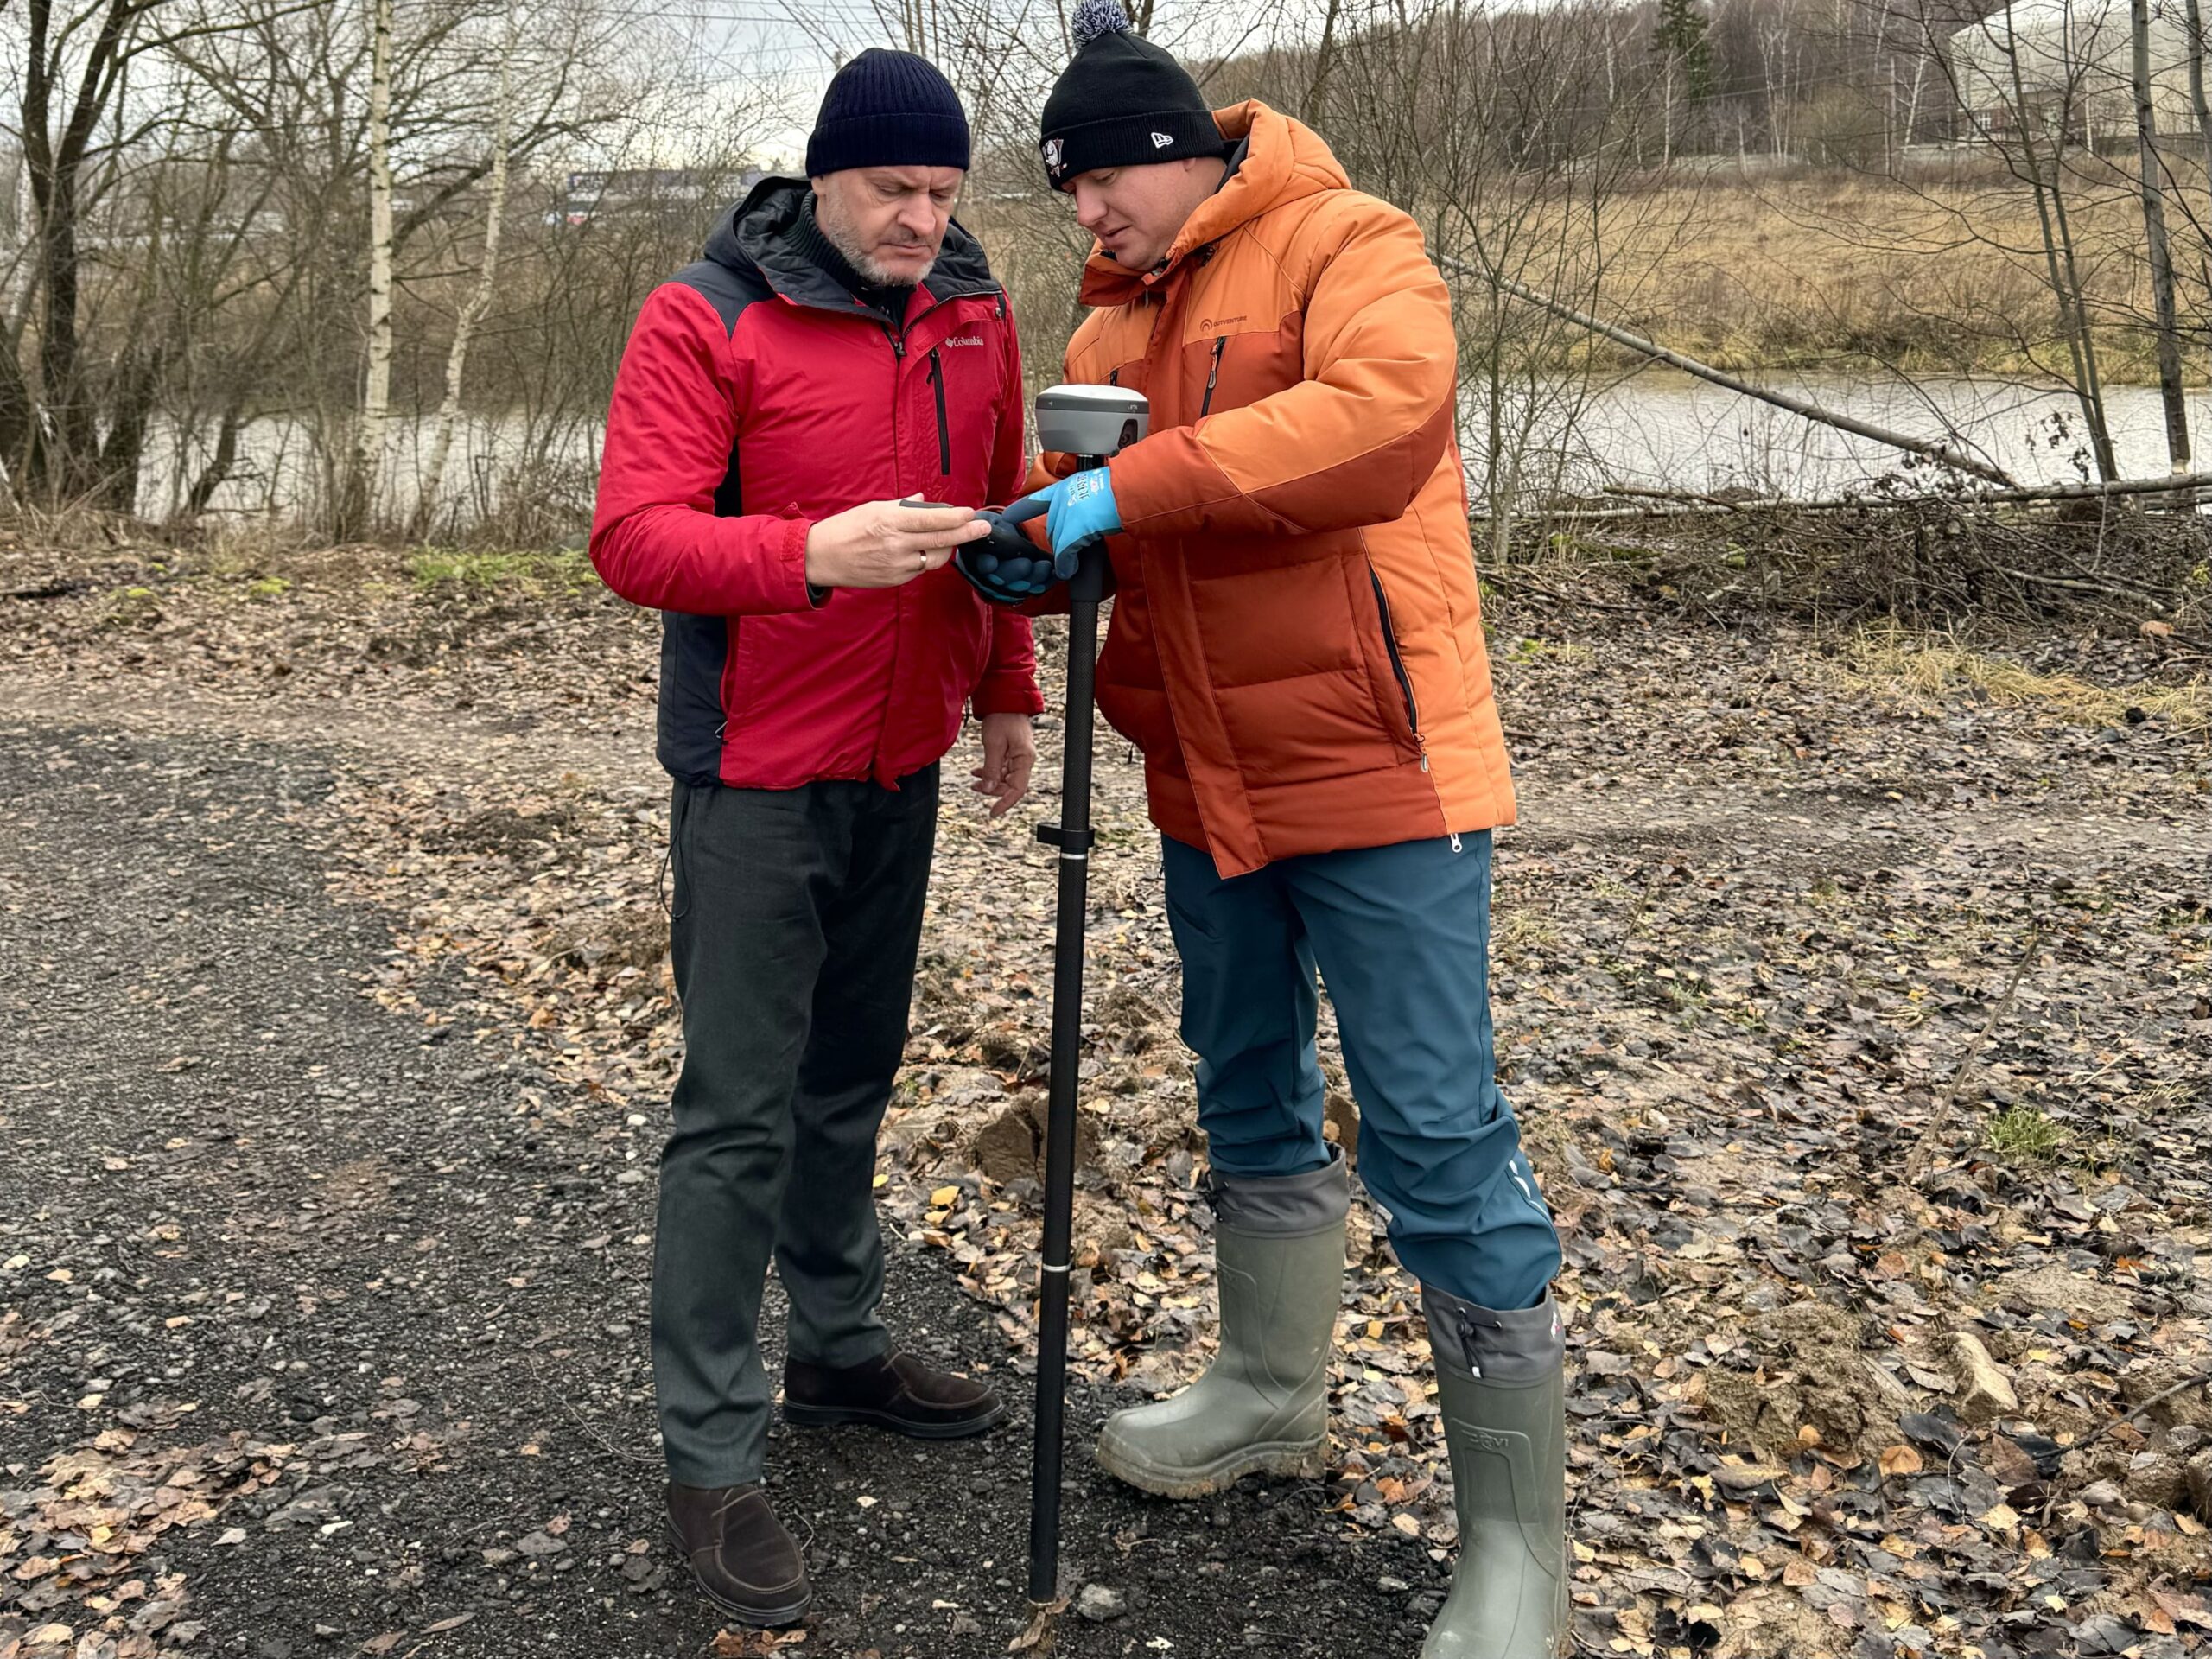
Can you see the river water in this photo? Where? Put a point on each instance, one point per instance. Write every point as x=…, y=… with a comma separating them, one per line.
x=1661, y=429
x=1658, y=429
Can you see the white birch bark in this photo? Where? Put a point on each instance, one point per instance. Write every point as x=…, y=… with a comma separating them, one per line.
x=376, y=394
x=480, y=299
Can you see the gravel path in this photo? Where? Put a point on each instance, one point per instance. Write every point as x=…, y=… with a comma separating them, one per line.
x=341, y=1272
x=1855, y=992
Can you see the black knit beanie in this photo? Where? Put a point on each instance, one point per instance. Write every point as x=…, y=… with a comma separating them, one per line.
x=888, y=109
x=1123, y=102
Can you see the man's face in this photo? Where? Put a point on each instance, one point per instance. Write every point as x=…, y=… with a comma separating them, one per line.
x=1136, y=212
x=889, y=222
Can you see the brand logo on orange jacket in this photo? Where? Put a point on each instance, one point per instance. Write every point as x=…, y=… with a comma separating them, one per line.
x=1207, y=324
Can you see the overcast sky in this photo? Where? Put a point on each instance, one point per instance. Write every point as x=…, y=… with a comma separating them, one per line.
x=782, y=52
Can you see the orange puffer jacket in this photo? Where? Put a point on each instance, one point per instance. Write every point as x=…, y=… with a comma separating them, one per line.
x=1296, y=641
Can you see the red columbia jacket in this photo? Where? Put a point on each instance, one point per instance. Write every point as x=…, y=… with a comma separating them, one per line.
x=756, y=396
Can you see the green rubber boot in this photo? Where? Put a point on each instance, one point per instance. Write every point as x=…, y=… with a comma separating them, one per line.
x=1262, y=1406
x=1501, y=1384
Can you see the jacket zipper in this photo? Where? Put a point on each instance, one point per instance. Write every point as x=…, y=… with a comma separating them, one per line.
x=1398, y=664
x=898, y=339
x=1213, y=373
x=944, y=430
x=898, y=359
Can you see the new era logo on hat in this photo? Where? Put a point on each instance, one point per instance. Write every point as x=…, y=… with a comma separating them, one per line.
x=1161, y=141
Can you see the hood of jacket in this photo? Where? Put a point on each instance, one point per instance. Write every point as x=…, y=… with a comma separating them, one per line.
x=761, y=234
x=1284, y=160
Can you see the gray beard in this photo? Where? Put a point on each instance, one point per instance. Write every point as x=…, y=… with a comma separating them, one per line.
x=842, y=238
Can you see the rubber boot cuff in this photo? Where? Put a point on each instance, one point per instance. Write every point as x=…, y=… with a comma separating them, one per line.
x=1512, y=1350
x=1283, y=1206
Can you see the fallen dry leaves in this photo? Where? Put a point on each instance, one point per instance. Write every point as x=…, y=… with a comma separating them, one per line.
x=1843, y=934
x=71, y=1545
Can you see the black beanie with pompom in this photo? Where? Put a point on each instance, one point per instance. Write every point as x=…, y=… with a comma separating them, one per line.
x=1123, y=102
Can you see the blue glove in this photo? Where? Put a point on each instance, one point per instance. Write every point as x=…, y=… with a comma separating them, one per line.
x=1079, y=513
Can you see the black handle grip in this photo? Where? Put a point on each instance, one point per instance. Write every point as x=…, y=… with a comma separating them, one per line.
x=1006, y=567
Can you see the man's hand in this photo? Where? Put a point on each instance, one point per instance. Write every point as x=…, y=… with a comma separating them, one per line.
x=883, y=545
x=1079, y=509
x=1010, y=751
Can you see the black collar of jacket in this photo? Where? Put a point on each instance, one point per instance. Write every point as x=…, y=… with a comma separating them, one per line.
x=762, y=233
x=890, y=301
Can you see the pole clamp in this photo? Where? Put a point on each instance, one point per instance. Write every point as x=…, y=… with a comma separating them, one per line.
x=1068, y=840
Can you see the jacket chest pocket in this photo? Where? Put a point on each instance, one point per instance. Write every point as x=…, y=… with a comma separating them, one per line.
x=958, y=397
x=941, y=401
x=1232, y=367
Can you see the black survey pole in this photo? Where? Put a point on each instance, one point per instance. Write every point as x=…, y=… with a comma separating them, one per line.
x=1072, y=836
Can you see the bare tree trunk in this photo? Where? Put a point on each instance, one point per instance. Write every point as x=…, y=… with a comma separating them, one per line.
x=217, y=469
x=376, y=396
x=59, y=454
x=122, y=455
x=18, y=412
x=2092, y=389
x=2161, y=253
x=1889, y=142
x=1494, y=488
x=67, y=412
x=480, y=300
x=2197, y=101
x=1324, y=59
x=2058, y=260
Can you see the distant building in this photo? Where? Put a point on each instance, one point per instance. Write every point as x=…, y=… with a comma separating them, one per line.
x=618, y=192
x=2041, y=64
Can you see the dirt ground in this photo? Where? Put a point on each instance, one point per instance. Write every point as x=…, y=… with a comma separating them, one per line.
x=1857, y=999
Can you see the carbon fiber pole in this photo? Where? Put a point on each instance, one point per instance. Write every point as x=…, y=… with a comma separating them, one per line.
x=1072, y=836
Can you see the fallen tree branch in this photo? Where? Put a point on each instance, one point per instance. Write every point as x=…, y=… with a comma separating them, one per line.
x=2194, y=1380
x=1686, y=503
x=2175, y=484
x=2077, y=584
x=1934, y=449
x=1689, y=498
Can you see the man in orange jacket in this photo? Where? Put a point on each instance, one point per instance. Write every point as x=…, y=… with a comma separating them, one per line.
x=1297, y=647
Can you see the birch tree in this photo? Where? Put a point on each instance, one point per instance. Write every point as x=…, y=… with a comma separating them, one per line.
x=479, y=298
x=359, y=502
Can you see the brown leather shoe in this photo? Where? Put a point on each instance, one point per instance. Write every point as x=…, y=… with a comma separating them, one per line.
x=897, y=1392
x=739, y=1555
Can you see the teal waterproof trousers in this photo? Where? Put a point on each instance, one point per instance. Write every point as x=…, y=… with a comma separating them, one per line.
x=1401, y=937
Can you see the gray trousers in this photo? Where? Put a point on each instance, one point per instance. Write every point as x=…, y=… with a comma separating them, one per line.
x=797, y=914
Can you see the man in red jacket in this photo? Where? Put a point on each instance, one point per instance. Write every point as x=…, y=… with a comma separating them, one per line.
x=842, y=349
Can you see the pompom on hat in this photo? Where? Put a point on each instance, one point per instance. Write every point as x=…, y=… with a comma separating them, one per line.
x=1121, y=102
